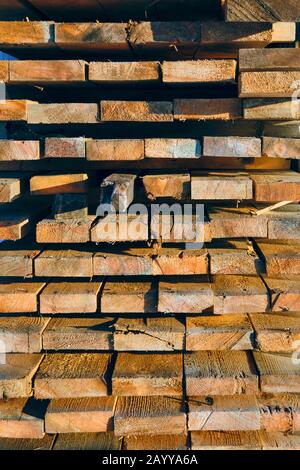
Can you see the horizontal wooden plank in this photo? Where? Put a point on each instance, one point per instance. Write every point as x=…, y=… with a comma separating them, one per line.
x=167, y=185
x=17, y=373
x=18, y=263
x=124, y=73
x=147, y=375
x=228, y=413
x=14, y=110
x=284, y=293
x=267, y=84
x=72, y=376
x=87, y=441
x=68, y=263
x=64, y=147
x=22, y=334
x=276, y=187
x=143, y=111
x=64, y=231
x=45, y=72
x=185, y=297
x=25, y=33
x=277, y=147
x=79, y=415
x=172, y=148
x=278, y=373
x=78, y=334
x=218, y=185
x=220, y=373
x=97, y=36
x=12, y=150
x=266, y=10
x=128, y=297
x=58, y=184
x=63, y=113
x=209, y=333
x=20, y=297
x=21, y=419
x=145, y=415
x=276, y=333
x=237, y=147
x=199, y=72
x=266, y=109
x=70, y=297
x=234, y=257
x=277, y=59
x=281, y=257
x=223, y=109
x=115, y=149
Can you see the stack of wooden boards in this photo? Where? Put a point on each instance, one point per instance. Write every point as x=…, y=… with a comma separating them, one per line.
x=113, y=340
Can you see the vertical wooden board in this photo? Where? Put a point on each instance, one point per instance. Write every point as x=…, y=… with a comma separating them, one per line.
x=234, y=257
x=79, y=334
x=125, y=73
x=64, y=231
x=278, y=373
x=274, y=187
x=25, y=33
x=164, y=185
x=232, y=222
x=172, y=148
x=72, y=376
x=147, y=375
x=276, y=333
x=277, y=59
x=207, y=109
x=45, y=72
x=22, y=334
x=209, y=333
x=68, y=263
x=115, y=149
x=284, y=293
x=230, y=440
x=185, y=297
x=278, y=412
x=20, y=297
x=145, y=415
x=128, y=297
x=13, y=110
x=18, y=150
x=17, y=373
x=235, y=147
x=220, y=373
x=58, y=184
x=281, y=258
x=140, y=111
x=21, y=418
x=94, y=36
x=17, y=263
x=156, y=442
x=260, y=11
x=219, y=72
x=228, y=413
x=87, y=441
x=64, y=147
x=239, y=294
x=217, y=185
x=70, y=297
x=148, y=334
x=126, y=262
x=80, y=415
x=63, y=113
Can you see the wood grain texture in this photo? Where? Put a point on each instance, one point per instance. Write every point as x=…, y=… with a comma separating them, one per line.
x=45, y=72
x=64, y=231
x=72, y=376
x=147, y=375
x=199, y=72
x=209, y=333
x=21, y=418
x=218, y=185
x=64, y=147
x=207, y=109
x=115, y=149
x=239, y=147
x=277, y=59
x=234, y=257
x=124, y=73
x=20, y=297
x=185, y=297
x=88, y=441
x=278, y=373
x=63, y=113
x=226, y=413
x=220, y=373
x=276, y=333
x=172, y=148
x=68, y=263
x=18, y=263
x=16, y=374
x=284, y=293
x=18, y=150
x=79, y=334
x=128, y=297
x=143, y=111
x=145, y=415
x=80, y=415
x=266, y=10
x=70, y=297
x=22, y=334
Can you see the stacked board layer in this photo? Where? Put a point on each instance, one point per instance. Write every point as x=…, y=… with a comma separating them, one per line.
x=117, y=329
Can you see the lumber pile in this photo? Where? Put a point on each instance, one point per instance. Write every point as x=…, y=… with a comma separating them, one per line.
x=123, y=324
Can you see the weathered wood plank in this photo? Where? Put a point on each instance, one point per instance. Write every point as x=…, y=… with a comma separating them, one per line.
x=58, y=184
x=218, y=185
x=24, y=33
x=115, y=149
x=12, y=150
x=228, y=413
x=128, y=297
x=70, y=297
x=220, y=373
x=21, y=419
x=167, y=185
x=46, y=72
x=64, y=231
x=236, y=147
x=284, y=293
x=223, y=109
x=147, y=375
x=63, y=113
x=87, y=441
x=20, y=297
x=234, y=257
x=143, y=111
x=276, y=333
x=185, y=297
x=172, y=148
x=266, y=10
x=72, y=376
x=125, y=73
x=277, y=59
x=64, y=147
x=210, y=333
x=79, y=334
x=18, y=263
x=145, y=415
x=16, y=374
x=68, y=263
x=79, y=415
x=276, y=147
x=155, y=442
x=199, y=72
x=22, y=334
x=267, y=84
x=278, y=373
x=281, y=257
